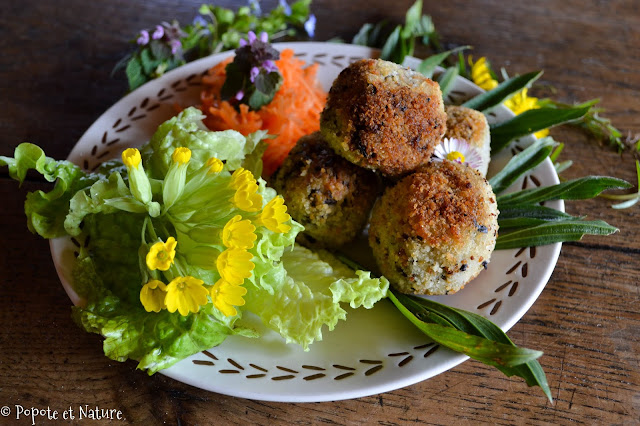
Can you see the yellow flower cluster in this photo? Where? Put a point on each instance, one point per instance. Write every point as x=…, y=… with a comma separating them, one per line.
x=187, y=294
x=518, y=103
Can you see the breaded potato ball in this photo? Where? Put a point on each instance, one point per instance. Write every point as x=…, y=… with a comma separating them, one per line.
x=471, y=126
x=435, y=230
x=384, y=117
x=328, y=195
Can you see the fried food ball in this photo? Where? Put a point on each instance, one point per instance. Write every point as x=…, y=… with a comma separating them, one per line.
x=384, y=117
x=435, y=230
x=331, y=197
x=472, y=126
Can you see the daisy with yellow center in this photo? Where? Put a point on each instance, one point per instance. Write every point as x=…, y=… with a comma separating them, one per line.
x=161, y=255
x=481, y=74
x=274, y=215
x=152, y=296
x=226, y=296
x=458, y=150
x=234, y=265
x=238, y=233
x=185, y=295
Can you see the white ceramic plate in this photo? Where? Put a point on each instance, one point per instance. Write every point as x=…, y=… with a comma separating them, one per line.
x=374, y=351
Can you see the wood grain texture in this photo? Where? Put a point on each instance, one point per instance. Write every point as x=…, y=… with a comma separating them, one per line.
x=55, y=81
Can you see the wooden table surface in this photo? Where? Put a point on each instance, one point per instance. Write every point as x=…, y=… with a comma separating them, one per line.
x=55, y=81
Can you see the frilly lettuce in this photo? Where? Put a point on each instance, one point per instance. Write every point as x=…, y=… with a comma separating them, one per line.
x=293, y=290
x=309, y=297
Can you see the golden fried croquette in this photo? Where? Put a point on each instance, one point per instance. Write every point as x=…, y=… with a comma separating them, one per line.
x=384, y=117
x=328, y=195
x=435, y=230
x=472, y=126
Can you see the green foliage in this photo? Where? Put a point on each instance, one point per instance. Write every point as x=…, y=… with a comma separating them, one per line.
x=216, y=29
x=474, y=336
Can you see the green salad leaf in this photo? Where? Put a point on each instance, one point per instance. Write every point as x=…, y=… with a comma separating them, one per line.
x=233, y=246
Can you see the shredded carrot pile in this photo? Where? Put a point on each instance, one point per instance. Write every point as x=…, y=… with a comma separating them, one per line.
x=293, y=112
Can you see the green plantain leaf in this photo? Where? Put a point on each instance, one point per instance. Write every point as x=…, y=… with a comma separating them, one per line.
x=447, y=80
x=521, y=163
x=529, y=215
x=576, y=189
x=552, y=232
x=529, y=122
x=473, y=335
x=486, y=101
x=428, y=66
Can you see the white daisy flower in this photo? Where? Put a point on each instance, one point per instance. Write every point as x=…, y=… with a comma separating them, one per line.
x=459, y=150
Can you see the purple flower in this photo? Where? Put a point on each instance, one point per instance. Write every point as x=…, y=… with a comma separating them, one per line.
x=175, y=46
x=264, y=37
x=158, y=33
x=243, y=42
x=239, y=95
x=251, y=36
x=310, y=25
x=199, y=21
x=253, y=74
x=269, y=66
x=144, y=38
x=286, y=7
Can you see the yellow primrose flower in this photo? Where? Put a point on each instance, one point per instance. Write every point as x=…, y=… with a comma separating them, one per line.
x=186, y=294
x=274, y=215
x=161, y=255
x=225, y=296
x=152, y=296
x=481, y=75
x=234, y=265
x=181, y=155
x=241, y=177
x=214, y=165
x=246, y=197
x=238, y=233
x=131, y=157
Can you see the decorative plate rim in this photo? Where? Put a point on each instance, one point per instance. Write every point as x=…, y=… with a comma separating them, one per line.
x=121, y=125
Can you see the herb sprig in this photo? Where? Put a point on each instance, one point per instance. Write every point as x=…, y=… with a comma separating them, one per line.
x=214, y=30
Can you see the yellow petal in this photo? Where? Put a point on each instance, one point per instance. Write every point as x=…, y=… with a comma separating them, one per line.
x=152, y=296
x=181, y=155
x=186, y=294
x=131, y=157
x=238, y=233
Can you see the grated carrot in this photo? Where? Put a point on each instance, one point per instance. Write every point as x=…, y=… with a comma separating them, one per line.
x=293, y=112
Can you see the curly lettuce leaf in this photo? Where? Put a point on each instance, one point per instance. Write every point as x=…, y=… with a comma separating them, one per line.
x=187, y=130
x=309, y=297
x=107, y=275
x=46, y=211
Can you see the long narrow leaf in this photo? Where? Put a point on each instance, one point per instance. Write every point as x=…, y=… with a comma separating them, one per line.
x=487, y=351
x=521, y=163
x=576, y=189
x=552, y=232
x=447, y=79
x=530, y=215
x=472, y=324
x=428, y=66
x=486, y=101
x=529, y=122
x=391, y=47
